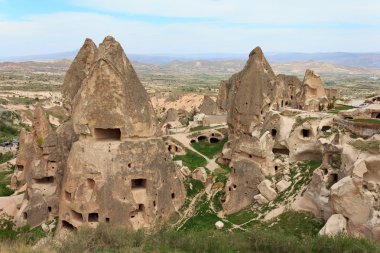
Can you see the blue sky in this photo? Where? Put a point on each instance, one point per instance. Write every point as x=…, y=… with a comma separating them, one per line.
x=31, y=27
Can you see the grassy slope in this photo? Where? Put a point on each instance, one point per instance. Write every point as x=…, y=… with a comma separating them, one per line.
x=371, y=121
x=192, y=160
x=209, y=149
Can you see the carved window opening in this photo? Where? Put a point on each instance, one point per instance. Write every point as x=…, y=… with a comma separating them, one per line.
x=93, y=217
x=44, y=180
x=107, y=133
x=139, y=183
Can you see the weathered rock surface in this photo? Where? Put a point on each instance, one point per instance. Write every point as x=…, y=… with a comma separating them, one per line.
x=266, y=190
x=208, y=106
x=313, y=95
x=335, y=225
x=259, y=134
x=105, y=163
x=118, y=171
x=78, y=71
x=112, y=86
x=219, y=225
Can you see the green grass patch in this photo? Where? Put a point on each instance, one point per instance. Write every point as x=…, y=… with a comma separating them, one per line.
x=221, y=174
x=5, y=180
x=299, y=224
x=191, y=160
x=7, y=132
x=193, y=187
x=199, y=128
x=209, y=149
x=339, y=108
x=216, y=201
x=276, y=239
x=370, y=121
x=204, y=219
x=369, y=146
x=243, y=216
x=301, y=120
x=25, y=234
x=5, y=157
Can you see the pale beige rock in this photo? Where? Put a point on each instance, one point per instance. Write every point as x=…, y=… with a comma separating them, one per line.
x=118, y=171
x=260, y=199
x=266, y=190
x=313, y=96
x=348, y=199
x=219, y=225
x=112, y=86
x=186, y=171
x=208, y=106
x=282, y=185
x=200, y=174
x=335, y=225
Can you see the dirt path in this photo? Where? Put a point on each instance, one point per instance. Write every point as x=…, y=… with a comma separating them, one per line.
x=182, y=138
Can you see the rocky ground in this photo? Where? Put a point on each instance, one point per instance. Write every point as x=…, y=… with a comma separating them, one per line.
x=282, y=169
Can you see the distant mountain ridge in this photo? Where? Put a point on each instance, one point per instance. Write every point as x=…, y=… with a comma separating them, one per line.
x=371, y=60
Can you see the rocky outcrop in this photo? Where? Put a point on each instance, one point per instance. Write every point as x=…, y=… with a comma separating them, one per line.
x=109, y=176
x=106, y=162
x=112, y=86
x=39, y=169
x=266, y=134
x=208, y=106
x=335, y=225
x=313, y=95
x=78, y=71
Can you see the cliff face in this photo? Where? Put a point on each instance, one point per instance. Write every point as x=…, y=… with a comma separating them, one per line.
x=258, y=133
x=106, y=162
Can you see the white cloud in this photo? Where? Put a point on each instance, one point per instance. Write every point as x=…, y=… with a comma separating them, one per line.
x=66, y=31
x=251, y=11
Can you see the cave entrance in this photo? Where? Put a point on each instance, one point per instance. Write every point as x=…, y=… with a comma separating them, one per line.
x=305, y=133
x=44, y=180
x=202, y=138
x=107, y=134
x=93, y=217
x=139, y=183
x=283, y=151
x=325, y=128
x=214, y=140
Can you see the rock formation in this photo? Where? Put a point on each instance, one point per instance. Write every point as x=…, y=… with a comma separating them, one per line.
x=208, y=106
x=313, y=96
x=257, y=133
x=268, y=135
x=40, y=166
x=106, y=163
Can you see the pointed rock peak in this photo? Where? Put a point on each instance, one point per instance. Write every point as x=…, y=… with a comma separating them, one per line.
x=112, y=86
x=88, y=43
x=257, y=52
x=78, y=71
x=41, y=125
x=258, y=60
x=111, y=51
x=311, y=73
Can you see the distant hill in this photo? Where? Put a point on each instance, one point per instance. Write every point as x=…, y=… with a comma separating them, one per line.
x=371, y=60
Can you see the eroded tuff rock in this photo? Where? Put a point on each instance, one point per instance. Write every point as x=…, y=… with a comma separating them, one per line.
x=40, y=166
x=208, y=106
x=105, y=163
x=118, y=171
x=313, y=95
x=112, y=86
x=261, y=139
x=78, y=71
x=274, y=122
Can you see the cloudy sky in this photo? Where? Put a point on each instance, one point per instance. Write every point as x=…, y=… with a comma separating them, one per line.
x=190, y=27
